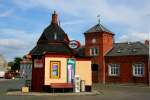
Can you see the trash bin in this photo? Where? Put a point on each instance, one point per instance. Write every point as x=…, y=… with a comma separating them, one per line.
x=82, y=85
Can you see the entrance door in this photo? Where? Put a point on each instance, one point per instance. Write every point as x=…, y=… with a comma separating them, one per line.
x=95, y=73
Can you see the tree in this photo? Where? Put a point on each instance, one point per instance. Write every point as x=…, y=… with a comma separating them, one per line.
x=10, y=63
x=16, y=63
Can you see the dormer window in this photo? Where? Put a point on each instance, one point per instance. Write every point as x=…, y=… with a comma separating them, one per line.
x=134, y=50
x=55, y=36
x=119, y=51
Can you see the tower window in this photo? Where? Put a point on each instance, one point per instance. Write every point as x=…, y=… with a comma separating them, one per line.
x=93, y=51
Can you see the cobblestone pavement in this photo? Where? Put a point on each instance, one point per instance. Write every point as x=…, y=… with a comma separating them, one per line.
x=106, y=92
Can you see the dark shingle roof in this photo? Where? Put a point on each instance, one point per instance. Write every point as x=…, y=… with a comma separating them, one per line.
x=46, y=42
x=51, y=48
x=125, y=49
x=50, y=31
x=98, y=28
x=52, y=40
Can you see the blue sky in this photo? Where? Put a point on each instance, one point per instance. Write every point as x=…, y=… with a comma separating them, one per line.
x=23, y=21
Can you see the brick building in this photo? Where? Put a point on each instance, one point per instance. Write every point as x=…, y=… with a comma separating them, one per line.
x=127, y=63
x=115, y=62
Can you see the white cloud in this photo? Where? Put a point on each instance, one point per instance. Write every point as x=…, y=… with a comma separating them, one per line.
x=15, y=42
x=135, y=19
x=89, y=9
x=130, y=37
x=16, y=33
x=12, y=43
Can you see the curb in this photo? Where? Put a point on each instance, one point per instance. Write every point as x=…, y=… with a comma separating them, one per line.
x=19, y=93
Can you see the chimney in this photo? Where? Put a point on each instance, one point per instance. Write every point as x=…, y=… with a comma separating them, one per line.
x=147, y=42
x=54, y=18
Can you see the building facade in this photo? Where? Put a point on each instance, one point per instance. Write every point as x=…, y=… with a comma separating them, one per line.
x=116, y=62
x=127, y=63
x=26, y=69
x=55, y=63
x=100, y=60
x=98, y=41
x=3, y=66
x=3, y=62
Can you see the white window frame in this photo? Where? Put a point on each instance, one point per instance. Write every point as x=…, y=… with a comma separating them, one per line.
x=112, y=68
x=93, y=51
x=137, y=69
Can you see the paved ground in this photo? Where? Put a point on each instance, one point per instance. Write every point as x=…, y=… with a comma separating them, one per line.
x=107, y=92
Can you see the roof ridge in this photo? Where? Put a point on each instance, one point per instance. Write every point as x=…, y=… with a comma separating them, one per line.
x=98, y=28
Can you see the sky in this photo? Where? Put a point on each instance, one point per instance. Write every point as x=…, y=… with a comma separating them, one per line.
x=23, y=21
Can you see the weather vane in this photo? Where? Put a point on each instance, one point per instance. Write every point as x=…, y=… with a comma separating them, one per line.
x=98, y=16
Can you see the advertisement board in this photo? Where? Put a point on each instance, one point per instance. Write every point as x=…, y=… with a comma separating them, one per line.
x=38, y=63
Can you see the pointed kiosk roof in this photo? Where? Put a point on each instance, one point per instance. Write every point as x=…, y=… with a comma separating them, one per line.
x=52, y=40
x=98, y=28
x=52, y=30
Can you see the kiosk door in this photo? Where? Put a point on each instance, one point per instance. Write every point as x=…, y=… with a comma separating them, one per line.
x=70, y=71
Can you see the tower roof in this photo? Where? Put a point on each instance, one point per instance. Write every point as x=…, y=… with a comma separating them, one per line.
x=98, y=28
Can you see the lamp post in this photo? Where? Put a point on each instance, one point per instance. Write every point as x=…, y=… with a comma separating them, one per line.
x=148, y=15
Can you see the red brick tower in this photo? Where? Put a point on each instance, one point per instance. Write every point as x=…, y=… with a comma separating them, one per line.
x=98, y=41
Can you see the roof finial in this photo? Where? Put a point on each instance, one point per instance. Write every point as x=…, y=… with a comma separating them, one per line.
x=54, y=18
x=98, y=16
x=54, y=11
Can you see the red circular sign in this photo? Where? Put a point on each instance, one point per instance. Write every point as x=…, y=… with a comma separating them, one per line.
x=74, y=44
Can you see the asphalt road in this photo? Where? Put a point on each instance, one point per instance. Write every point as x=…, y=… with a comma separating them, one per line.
x=108, y=92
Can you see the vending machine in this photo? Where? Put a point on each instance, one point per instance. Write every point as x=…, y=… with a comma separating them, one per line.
x=77, y=83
